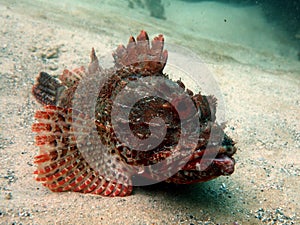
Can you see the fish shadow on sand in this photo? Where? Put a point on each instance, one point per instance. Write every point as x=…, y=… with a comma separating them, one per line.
x=205, y=196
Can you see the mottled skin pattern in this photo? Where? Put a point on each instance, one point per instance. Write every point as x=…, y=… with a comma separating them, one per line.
x=61, y=166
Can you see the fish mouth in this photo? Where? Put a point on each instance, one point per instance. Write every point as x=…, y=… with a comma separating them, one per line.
x=213, y=159
x=225, y=164
x=204, y=166
x=222, y=162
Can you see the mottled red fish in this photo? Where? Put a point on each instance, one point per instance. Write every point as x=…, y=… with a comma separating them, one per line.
x=85, y=152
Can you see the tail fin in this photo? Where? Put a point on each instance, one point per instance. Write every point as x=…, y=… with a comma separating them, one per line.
x=48, y=89
x=59, y=91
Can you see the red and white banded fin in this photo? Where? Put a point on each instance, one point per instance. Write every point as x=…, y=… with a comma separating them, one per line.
x=139, y=56
x=60, y=164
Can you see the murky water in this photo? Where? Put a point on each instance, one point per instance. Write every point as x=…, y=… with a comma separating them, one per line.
x=245, y=33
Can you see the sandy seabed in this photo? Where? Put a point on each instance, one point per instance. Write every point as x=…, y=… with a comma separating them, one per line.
x=263, y=113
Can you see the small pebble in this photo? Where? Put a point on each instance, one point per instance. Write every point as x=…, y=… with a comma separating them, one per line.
x=8, y=196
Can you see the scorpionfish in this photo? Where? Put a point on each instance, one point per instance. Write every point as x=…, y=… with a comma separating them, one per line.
x=107, y=142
